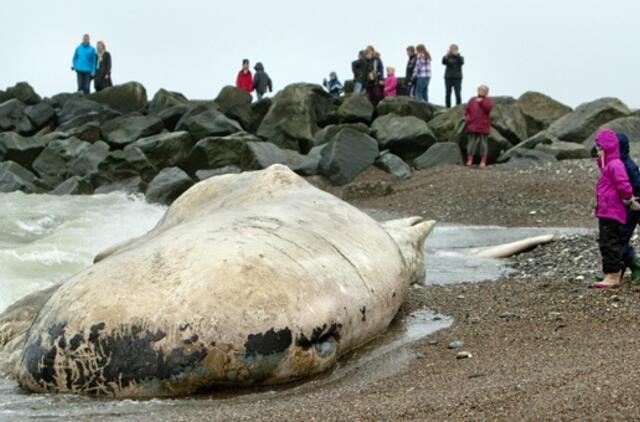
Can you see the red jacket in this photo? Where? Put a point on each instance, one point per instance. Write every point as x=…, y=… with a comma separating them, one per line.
x=244, y=81
x=477, y=115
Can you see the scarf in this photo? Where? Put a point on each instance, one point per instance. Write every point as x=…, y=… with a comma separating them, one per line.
x=100, y=55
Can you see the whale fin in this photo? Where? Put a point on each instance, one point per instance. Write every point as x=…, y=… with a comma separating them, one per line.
x=509, y=249
x=410, y=234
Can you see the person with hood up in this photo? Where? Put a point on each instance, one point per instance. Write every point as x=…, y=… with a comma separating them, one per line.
x=84, y=64
x=613, y=192
x=477, y=116
x=333, y=85
x=261, y=81
x=629, y=256
x=244, y=80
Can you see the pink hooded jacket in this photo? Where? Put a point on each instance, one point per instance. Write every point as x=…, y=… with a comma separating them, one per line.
x=390, y=85
x=613, y=185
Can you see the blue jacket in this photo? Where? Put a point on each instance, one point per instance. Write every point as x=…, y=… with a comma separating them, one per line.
x=84, y=59
x=629, y=164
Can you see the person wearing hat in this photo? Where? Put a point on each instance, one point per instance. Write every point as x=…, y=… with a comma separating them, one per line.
x=244, y=79
x=333, y=85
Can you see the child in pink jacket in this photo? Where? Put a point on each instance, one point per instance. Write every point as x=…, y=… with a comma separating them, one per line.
x=613, y=193
x=391, y=83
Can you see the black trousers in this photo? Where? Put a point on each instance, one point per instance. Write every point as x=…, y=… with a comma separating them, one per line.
x=610, y=242
x=454, y=84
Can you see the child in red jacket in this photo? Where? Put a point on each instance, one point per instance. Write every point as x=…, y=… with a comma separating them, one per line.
x=244, y=79
x=477, y=115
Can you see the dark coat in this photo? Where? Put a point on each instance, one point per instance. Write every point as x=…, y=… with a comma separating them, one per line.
x=375, y=70
x=261, y=80
x=359, y=68
x=411, y=64
x=454, y=65
x=103, y=73
x=632, y=168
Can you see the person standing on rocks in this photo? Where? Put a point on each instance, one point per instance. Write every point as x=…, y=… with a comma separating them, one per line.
x=390, y=83
x=84, y=64
x=453, y=61
x=333, y=85
x=375, y=75
x=408, y=76
x=629, y=256
x=422, y=73
x=613, y=191
x=359, y=69
x=244, y=80
x=477, y=116
x=261, y=81
x=103, y=68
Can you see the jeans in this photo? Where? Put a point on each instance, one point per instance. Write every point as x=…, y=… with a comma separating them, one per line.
x=84, y=81
x=422, y=89
x=358, y=88
x=259, y=96
x=456, y=85
x=628, y=254
x=610, y=242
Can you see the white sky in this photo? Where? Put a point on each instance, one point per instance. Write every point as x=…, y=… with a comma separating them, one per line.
x=573, y=50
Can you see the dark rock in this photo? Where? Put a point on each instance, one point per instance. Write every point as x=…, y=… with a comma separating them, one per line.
x=59, y=100
x=12, y=115
x=586, y=118
x=260, y=110
x=243, y=115
x=206, y=174
x=507, y=118
x=78, y=107
x=40, y=114
x=23, y=151
x=172, y=115
x=347, y=155
x=215, y=152
x=540, y=111
x=498, y=144
x=444, y=123
x=74, y=186
x=164, y=99
x=91, y=117
x=165, y=149
x=540, y=138
x=124, y=130
x=630, y=126
x=231, y=97
x=527, y=158
x=356, y=109
x=52, y=163
x=124, y=164
x=405, y=106
x=207, y=123
x=14, y=177
x=565, y=150
x=439, y=154
x=394, y=165
x=23, y=92
x=87, y=163
x=90, y=132
x=310, y=165
x=324, y=135
x=405, y=136
x=132, y=185
x=126, y=98
x=295, y=116
x=168, y=185
x=260, y=155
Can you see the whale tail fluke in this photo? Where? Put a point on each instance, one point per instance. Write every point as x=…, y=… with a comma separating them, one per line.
x=410, y=234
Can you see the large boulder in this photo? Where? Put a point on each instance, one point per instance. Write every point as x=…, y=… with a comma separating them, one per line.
x=445, y=122
x=126, y=98
x=172, y=115
x=86, y=164
x=53, y=162
x=15, y=177
x=540, y=111
x=207, y=123
x=12, y=117
x=168, y=185
x=586, y=118
x=165, y=149
x=207, y=174
x=507, y=118
x=439, y=154
x=311, y=162
x=347, y=155
x=132, y=185
x=394, y=165
x=405, y=136
x=164, y=99
x=630, y=126
x=24, y=92
x=124, y=130
x=543, y=137
x=526, y=158
x=324, y=135
x=124, y=164
x=356, y=109
x=231, y=97
x=295, y=116
x=405, y=106
x=22, y=150
x=498, y=144
x=75, y=108
x=40, y=114
x=565, y=150
x=74, y=185
x=90, y=132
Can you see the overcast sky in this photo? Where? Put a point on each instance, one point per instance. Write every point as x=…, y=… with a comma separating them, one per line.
x=573, y=50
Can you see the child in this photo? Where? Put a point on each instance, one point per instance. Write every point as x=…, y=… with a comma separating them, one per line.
x=477, y=115
x=261, y=81
x=628, y=253
x=244, y=79
x=333, y=85
x=612, y=191
x=391, y=83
